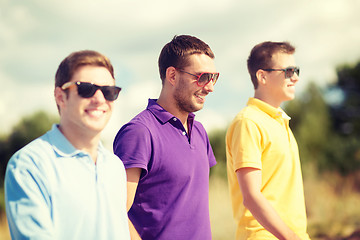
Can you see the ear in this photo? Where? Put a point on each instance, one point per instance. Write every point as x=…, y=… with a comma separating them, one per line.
x=60, y=96
x=261, y=77
x=171, y=75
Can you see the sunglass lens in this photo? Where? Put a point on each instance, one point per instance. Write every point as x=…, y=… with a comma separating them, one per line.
x=289, y=72
x=111, y=93
x=86, y=90
x=204, y=79
x=215, y=78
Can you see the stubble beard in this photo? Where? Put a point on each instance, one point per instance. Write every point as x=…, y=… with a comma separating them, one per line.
x=184, y=99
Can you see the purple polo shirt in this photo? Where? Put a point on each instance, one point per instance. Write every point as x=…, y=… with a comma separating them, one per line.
x=172, y=197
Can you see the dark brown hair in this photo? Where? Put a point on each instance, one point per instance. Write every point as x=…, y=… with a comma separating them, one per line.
x=261, y=57
x=176, y=52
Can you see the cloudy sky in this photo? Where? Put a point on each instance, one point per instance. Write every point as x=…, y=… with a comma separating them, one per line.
x=35, y=36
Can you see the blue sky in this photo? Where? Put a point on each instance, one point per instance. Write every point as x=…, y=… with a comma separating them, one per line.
x=35, y=35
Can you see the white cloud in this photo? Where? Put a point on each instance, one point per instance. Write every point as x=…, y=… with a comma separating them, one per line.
x=15, y=21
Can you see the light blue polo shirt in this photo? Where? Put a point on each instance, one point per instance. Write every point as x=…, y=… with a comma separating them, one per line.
x=54, y=191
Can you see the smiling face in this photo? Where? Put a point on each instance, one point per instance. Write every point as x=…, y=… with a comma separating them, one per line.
x=189, y=97
x=81, y=116
x=276, y=87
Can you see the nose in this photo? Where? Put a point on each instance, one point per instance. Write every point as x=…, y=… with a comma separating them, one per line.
x=295, y=78
x=99, y=97
x=209, y=86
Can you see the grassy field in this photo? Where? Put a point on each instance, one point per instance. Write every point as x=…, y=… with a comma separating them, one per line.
x=332, y=204
x=222, y=224
x=4, y=231
x=332, y=201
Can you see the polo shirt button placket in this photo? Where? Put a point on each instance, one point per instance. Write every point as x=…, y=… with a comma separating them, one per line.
x=182, y=132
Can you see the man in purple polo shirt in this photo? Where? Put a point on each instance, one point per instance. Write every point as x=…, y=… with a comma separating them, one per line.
x=166, y=153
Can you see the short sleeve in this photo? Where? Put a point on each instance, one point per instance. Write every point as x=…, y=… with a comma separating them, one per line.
x=132, y=145
x=245, y=144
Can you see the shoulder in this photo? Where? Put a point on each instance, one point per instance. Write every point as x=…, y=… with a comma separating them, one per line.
x=143, y=116
x=133, y=136
x=32, y=163
x=250, y=115
x=245, y=116
x=251, y=112
x=142, y=125
x=132, y=130
x=140, y=122
x=33, y=153
x=246, y=123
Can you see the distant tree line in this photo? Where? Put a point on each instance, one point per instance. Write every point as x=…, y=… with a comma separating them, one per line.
x=328, y=129
x=29, y=128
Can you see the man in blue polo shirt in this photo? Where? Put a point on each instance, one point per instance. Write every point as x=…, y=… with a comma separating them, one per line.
x=65, y=184
x=166, y=153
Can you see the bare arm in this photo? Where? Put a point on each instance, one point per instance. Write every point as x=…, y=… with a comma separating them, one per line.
x=133, y=176
x=250, y=184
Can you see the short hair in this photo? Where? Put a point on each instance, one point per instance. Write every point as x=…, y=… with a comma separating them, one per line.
x=261, y=57
x=176, y=53
x=77, y=59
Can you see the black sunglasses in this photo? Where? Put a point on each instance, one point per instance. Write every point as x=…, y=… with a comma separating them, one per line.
x=289, y=71
x=87, y=90
x=203, y=78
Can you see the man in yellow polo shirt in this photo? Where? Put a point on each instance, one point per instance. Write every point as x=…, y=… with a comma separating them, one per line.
x=263, y=163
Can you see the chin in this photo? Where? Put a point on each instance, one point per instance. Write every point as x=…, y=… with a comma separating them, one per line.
x=289, y=97
x=97, y=126
x=198, y=106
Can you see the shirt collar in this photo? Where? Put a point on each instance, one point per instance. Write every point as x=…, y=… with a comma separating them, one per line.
x=267, y=108
x=163, y=115
x=62, y=145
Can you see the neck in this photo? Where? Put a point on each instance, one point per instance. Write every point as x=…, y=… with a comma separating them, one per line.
x=265, y=98
x=84, y=141
x=170, y=106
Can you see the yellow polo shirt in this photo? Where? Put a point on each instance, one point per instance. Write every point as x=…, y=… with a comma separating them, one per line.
x=259, y=137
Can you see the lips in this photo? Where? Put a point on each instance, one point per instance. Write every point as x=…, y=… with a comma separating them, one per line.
x=200, y=97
